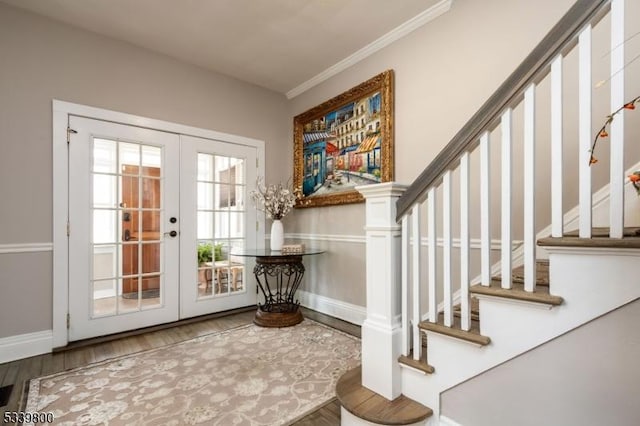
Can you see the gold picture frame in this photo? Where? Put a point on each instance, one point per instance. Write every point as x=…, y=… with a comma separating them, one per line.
x=344, y=142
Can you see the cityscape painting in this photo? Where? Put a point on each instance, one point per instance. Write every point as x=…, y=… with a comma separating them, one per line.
x=345, y=142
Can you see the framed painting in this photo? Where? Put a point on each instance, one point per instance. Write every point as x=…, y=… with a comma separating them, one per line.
x=345, y=142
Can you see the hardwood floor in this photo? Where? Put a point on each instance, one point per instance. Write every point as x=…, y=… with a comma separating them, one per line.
x=79, y=354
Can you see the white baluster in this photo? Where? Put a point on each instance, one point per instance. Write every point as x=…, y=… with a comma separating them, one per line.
x=584, y=131
x=446, y=236
x=415, y=289
x=507, y=155
x=465, y=320
x=406, y=328
x=557, y=220
x=485, y=209
x=433, y=249
x=530, y=188
x=616, y=134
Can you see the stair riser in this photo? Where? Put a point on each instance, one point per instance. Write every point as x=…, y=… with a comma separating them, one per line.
x=592, y=283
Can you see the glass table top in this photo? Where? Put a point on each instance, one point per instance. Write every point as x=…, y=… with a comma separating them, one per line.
x=274, y=253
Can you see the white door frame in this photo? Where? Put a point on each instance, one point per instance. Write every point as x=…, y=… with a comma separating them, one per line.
x=61, y=112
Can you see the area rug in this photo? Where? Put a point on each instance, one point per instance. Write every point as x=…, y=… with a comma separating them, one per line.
x=245, y=376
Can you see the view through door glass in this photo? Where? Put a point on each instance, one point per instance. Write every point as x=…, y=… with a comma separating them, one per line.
x=127, y=213
x=220, y=225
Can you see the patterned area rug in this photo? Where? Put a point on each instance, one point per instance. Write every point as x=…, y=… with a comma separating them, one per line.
x=245, y=376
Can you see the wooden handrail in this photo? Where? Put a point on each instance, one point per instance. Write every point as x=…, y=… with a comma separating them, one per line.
x=530, y=70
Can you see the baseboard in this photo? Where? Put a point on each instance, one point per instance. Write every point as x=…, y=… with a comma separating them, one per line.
x=336, y=308
x=446, y=421
x=25, y=345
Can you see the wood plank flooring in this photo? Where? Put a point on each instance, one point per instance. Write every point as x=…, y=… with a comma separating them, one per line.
x=95, y=350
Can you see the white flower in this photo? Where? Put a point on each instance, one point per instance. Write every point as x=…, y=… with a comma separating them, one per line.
x=275, y=200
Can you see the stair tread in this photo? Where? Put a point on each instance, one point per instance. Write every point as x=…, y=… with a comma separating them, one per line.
x=368, y=405
x=600, y=232
x=599, y=239
x=600, y=242
x=517, y=292
x=473, y=335
x=421, y=364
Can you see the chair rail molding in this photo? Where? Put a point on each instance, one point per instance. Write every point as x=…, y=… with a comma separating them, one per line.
x=25, y=248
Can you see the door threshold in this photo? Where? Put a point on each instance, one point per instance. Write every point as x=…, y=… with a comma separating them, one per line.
x=110, y=337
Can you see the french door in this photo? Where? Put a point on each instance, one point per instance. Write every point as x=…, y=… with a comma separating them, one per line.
x=153, y=219
x=217, y=219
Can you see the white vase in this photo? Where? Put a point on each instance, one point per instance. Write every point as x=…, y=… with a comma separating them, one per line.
x=277, y=235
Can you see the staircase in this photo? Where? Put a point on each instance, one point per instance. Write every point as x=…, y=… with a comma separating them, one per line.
x=476, y=316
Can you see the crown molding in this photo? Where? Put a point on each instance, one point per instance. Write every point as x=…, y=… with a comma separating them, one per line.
x=397, y=33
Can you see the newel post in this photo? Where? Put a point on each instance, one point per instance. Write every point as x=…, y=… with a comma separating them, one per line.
x=381, y=331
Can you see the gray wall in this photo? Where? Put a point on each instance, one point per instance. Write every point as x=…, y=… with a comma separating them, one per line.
x=444, y=71
x=589, y=376
x=44, y=60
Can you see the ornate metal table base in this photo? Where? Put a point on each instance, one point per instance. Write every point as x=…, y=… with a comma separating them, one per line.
x=278, y=278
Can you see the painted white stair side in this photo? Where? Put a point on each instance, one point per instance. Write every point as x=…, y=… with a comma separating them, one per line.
x=592, y=283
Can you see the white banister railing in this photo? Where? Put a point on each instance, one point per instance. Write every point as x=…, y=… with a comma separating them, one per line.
x=524, y=134
x=505, y=218
x=557, y=156
x=584, y=131
x=416, y=284
x=446, y=249
x=465, y=309
x=530, y=188
x=485, y=208
x=433, y=250
x=616, y=197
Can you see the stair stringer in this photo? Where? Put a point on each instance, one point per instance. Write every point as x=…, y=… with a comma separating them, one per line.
x=592, y=281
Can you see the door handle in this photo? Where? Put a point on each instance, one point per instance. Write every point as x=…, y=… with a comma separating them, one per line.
x=172, y=234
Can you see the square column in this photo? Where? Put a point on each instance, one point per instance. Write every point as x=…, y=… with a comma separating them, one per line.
x=381, y=331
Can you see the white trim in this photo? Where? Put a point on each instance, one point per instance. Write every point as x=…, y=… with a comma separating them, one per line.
x=396, y=34
x=61, y=112
x=359, y=239
x=25, y=345
x=446, y=421
x=151, y=123
x=25, y=248
x=336, y=308
x=362, y=239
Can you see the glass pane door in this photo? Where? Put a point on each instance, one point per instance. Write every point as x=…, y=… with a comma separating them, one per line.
x=127, y=213
x=216, y=197
x=124, y=240
x=220, y=225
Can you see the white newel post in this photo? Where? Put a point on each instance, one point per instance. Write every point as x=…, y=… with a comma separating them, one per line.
x=382, y=330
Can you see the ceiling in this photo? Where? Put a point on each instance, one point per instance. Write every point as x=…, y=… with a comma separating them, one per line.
x=281, y=45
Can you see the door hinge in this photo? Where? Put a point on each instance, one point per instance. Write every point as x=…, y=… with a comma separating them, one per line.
x=257, y=225
x=257, y=163
x=68, y=320
x=68, y=228
x=69, y=132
